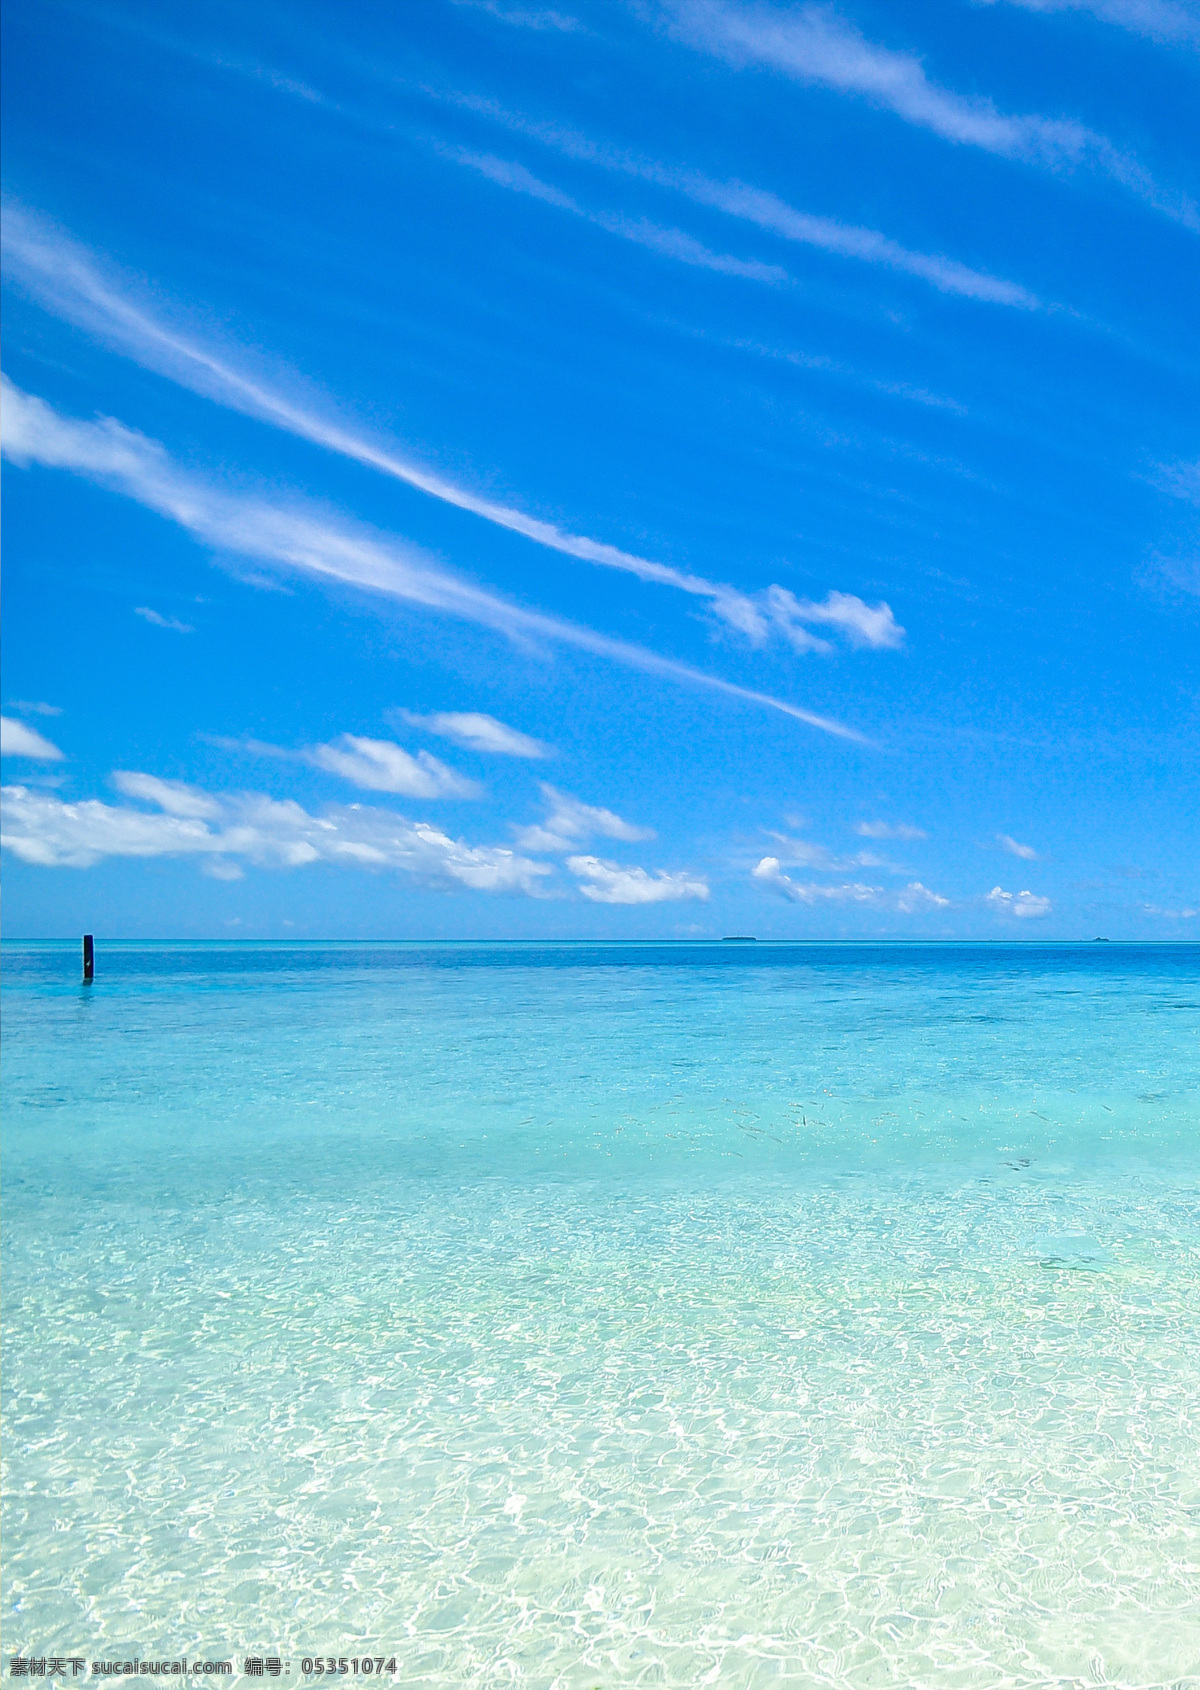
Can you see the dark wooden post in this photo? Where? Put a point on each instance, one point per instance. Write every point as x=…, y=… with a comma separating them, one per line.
x=89, y=959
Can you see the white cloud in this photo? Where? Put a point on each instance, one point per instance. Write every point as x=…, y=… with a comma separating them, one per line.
x=31, y=707
x=671, y=243
x=678, y=244
x=1166, y=21
x=769, y=872
x=43, y=829
x=66, y=279
x=889, y=830
x=228, y=830
x=507, y=174
x=913, y=899
x=378, y=765
x=835, y=367
x=220, y=868
x=476, y=732
x=525, y=17
x=1181, y=480
x=813, y=43
x=569, y=822
x=1024, y=905
x=295, y=538
x=158, y=621
x=801, y=853
x=849, y=240
x=917, y=897
x=17, y=740
x=174, y=797
x=1183, y=573
x=251, y=827
x=1016, y=849
x=252, y=747
x=757, y=206
x=1171, y=915
x=864, y=624
x=609, y=883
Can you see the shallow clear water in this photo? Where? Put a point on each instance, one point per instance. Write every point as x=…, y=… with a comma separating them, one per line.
x=597, y=1315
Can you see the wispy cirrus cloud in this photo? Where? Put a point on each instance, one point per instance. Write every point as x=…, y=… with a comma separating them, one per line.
x=1181, y=480
x=814, y=43
x=34, y=707
x=889, y=830
x=66, y=279
x=670, y=243
x=225, y=831
x=19, y=740
x=569, y=822
x=849, y=240
x=157, y=620
x=1015, y=848
x=609, y=883
x=1023, y=906
x=526, y=17
x=758, y=206
x=1178, y=573
x=803, y=853
x=296, y=539
x=475, y=731
x=1166, y=21
x=840, y=370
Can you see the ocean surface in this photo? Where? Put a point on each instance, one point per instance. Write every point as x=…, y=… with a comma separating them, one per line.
x=595, y=1315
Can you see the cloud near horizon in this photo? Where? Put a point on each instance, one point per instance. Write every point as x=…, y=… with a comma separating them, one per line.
x=909, y=900
x=609, y=883
x=1024, y=906
x=225, y=831
x=253, y=828
x=802, y=853
x=569, y=822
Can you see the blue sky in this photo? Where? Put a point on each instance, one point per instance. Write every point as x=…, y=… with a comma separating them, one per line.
x=673, y=468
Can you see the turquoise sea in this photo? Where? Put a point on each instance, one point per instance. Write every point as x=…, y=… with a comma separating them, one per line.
x=592, y=1315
